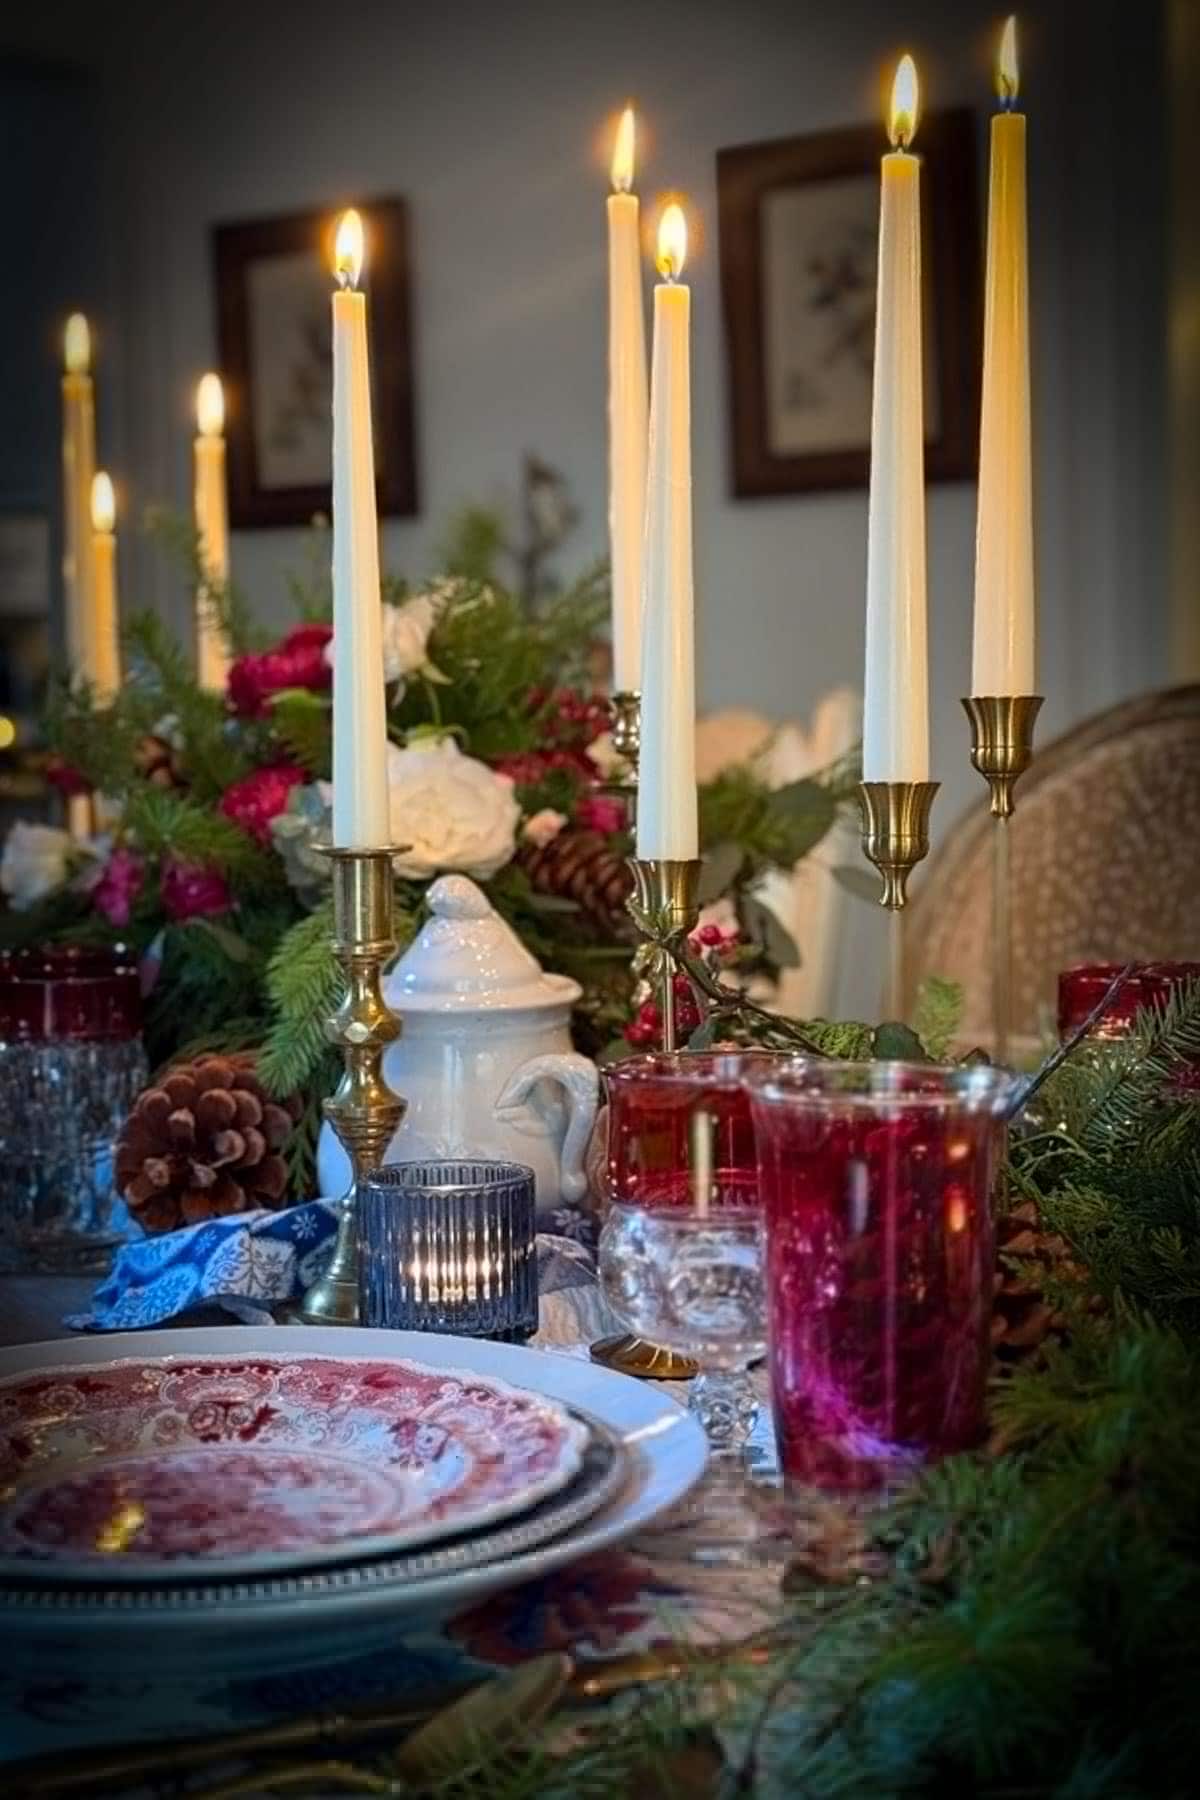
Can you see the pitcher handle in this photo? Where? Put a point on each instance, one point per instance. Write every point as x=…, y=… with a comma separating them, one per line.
x=580, y=1081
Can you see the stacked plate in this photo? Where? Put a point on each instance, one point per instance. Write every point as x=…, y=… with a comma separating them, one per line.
x=209, y=1500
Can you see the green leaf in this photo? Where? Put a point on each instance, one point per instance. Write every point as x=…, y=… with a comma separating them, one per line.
x=719, y=871
x=303, y=720
x=862, y=883
x=236, y=948
x=763, y=926
x=894, y=1041
x=808, y=810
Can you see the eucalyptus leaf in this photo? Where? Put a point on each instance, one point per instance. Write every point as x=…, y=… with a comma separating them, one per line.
x=859, y=882
x=761, y=924
x=807, y=810
x=718, y=872
x=894, y=1041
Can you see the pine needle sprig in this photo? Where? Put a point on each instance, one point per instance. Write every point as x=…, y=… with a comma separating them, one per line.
x=304, y=984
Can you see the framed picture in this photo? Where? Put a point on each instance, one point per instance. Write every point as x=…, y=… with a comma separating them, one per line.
x=274, y=279
x=799, y=226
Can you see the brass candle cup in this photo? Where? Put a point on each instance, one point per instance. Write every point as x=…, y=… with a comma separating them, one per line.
x=1002, y=728
x=363, y=1110
x=895, y=833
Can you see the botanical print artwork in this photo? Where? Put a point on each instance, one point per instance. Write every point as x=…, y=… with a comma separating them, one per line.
x=292, y=392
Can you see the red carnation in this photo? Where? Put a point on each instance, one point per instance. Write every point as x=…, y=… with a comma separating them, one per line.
x=66, y=778
x=191, y=891
x=600, y=812
x=260, y=797
x=119, y=885
x=298, y=662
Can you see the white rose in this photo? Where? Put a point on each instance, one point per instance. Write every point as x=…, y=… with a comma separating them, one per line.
x=543, y=827
x=36, y=860
x=452, y=812
x=406, y=630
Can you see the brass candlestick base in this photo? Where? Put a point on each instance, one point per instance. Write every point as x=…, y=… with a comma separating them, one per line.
x=665, y=909
x=1002, y=742
x=896, y=832
x=363, y=1111
x=627, y=742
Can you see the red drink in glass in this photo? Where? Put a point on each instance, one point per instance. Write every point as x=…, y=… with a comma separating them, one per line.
x=876, y=1183
x=652, y=1102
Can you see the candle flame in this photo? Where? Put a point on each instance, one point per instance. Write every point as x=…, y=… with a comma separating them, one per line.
x=104, y=502
x=902, y=124
x=210, y=406
x=348, y=249
x=77, y=345
x=622, y=156
x=672, y=242
x=1007, y=73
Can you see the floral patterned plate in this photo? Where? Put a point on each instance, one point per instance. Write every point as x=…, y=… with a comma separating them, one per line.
x=195, y=1466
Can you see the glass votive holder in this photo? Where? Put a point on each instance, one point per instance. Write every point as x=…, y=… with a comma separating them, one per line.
x=449, y=1246
x=71, y=1066
x=654, y=1103
x=876, y=1182
x=1147, y=985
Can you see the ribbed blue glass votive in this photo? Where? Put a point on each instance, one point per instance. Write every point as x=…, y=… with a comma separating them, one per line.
x=449, y=1246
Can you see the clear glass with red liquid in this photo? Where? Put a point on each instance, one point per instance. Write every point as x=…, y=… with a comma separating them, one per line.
x=876, y=1184
x=652, y=1104
x=1081, y=989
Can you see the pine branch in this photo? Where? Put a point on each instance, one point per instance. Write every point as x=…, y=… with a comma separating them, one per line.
x=166, y=823
x=304, y=985
x=228, y=609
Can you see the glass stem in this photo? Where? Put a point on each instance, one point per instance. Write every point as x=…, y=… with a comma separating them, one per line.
x=726, y=1405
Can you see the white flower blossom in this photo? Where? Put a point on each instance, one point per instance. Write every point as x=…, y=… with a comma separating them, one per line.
x=450, y=811
x=36, y=860
x=543, y=827
x=607, y=761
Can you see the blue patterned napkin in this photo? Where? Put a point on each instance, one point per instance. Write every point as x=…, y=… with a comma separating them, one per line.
x=247, y=1263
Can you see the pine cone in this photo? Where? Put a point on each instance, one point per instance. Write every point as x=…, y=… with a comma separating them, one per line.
x=583, y=866
x=206, y=1140
x=158, y=762
x=1022, y=1317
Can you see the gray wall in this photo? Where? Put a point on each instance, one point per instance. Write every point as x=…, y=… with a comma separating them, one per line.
x=487, y=118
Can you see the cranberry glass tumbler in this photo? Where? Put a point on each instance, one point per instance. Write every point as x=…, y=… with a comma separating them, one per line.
x=652, y=1106
x=876, y=1183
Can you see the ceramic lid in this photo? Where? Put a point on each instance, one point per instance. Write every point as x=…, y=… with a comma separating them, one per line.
x=466, y=958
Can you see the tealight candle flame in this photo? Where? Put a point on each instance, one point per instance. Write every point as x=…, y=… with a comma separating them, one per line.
x=672, y=242
x=622, y=156
x=104, y=502
x=902, y=123
x=348, y=249
x=77, y=345
x=1007, y=73
x=210, y=406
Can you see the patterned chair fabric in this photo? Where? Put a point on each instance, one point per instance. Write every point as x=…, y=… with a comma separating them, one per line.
x=1105, y=857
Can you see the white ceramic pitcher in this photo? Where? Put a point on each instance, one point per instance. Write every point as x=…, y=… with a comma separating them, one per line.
x=485, y=1060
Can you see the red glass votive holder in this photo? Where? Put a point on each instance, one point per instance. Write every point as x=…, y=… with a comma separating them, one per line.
x=653, y=1101
x=876, y=1183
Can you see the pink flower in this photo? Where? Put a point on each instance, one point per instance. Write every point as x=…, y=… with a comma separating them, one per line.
x=191, y=891
x=119, y=885
x=260, y=797
x=600, y=812
x=299, y=661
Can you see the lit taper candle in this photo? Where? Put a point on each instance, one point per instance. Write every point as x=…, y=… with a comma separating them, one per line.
x=78, y=468
x=212, y=528
x=105, y=673
x=360, y=790
x=626, y=412
x=666, y=822
x=896, y=688
x=1005, y=650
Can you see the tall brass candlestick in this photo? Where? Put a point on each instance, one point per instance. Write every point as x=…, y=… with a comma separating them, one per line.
x=1002, y=728
x=627, y=742
x=665, y=893
x=896, y=838
x=364, y=1112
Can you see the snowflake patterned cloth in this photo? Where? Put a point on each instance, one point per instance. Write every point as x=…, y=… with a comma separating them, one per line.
x=247, y=1263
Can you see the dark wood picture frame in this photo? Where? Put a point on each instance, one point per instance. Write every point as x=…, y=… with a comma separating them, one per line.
x=951, y=254
x=386, y=281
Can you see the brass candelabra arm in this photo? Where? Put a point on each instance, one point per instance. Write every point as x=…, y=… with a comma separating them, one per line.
x=1002, y=728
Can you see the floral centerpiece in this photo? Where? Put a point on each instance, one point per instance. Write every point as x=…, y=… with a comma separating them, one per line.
x=209, y=805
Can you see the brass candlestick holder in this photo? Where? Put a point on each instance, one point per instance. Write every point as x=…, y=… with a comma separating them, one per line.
x=627, y=742
x=1001, y=750
x=363, y=1111
x=896, y=838
x=664, y=897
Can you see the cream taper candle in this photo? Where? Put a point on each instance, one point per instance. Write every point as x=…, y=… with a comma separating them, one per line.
x=105, y=672
x=666, y=816
x=626, y=413
x=1004, y=655
x=212, y=528
x=78, y=468
x=360, y=788
x=896, y=688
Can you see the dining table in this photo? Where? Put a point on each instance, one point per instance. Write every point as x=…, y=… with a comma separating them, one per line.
x=636, y=1607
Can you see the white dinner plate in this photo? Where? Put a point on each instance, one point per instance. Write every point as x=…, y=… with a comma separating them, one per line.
x=306, y=1619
